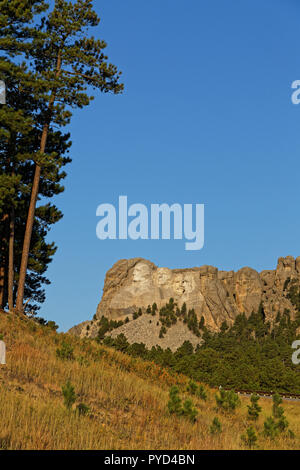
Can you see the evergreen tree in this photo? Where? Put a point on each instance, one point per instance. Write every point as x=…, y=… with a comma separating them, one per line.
x=250, y=438
x=254, y=409
x=216, y=427
x=63, y=62
x=174, y=404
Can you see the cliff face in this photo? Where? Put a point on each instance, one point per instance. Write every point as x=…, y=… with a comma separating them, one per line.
x=215, y=295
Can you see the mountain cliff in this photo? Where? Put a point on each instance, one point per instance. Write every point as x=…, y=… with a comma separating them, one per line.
x=217, y=296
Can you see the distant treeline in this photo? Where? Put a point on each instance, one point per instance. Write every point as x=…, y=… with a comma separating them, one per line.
x=250, y=354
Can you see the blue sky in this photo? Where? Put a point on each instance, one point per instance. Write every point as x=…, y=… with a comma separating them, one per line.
x=206, y=117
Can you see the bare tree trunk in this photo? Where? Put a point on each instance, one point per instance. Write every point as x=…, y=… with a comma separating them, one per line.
x=33, y=200
x=3, y=261
x=11, y=261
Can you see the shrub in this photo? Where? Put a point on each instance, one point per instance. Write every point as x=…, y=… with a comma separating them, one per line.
x=227, y=400
x=82, y=409
x=201, y=393
x=192, y=387
x=250, y=438
x=189, y=410
x=174, y=404
x=270, y=428
x=69, y=395
x=65, y=352
x=52, y=325
x=277, y=409
x=216, y=427
x=254, y=409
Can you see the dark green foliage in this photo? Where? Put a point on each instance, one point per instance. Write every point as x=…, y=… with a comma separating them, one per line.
x=65, y=352
x=201, y=393
x=154, y=309
x=277, y=410
x=250, y=438
x=189, y=411
x=107, y=325
x=227, y=400
x=270, y=428
x=192, y=387
x=201, y=323
x=82, y=409
x=162, y=332
x=174, y=404
x=216, y=427
x=254, y=409
x=50, y=64
x=277, y=423
x=69, y=395
x=247, y=356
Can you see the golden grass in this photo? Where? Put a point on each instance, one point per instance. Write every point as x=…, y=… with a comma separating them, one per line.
x=127, y=398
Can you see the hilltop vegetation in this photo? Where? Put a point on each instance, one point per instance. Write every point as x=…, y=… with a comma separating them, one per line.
x=119, y=401
x=249, y=355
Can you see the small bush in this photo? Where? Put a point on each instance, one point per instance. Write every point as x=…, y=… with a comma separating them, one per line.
x=270, y=428
x=82, y=409
x=254, y=409
x=227, y=400
x=250, y=438
x=192, y=387
x=201, y=393
x=189, y=410
x=65, y=352
x=174, y=404
x=69, y=395
x=216, y=427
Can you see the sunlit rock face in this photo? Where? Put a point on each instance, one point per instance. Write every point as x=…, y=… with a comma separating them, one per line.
x=218, y=296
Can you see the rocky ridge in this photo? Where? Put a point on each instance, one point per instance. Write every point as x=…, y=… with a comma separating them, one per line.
x=216, y=295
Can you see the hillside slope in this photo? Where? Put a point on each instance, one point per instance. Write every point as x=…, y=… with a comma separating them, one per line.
x=127, y=399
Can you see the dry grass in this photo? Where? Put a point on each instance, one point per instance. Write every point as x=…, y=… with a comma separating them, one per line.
x=127, y=398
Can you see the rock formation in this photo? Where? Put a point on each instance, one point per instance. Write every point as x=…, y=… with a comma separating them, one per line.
x=215, y=295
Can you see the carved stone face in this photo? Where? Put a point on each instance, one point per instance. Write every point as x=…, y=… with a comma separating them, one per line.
x=141, y=273
x=163, y=276
x=184, y=283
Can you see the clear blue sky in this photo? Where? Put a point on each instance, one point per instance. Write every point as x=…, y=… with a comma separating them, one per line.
x=206, y=117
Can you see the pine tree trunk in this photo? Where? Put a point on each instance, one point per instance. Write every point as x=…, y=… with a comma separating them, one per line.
x=33, y=200
x=11, y=261
x=3, y=260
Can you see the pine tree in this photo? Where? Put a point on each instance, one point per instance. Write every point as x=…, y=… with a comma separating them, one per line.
x=174, y=404
x=69, y=395
x=216, y=427
x=250, y=438
x=254, y=409
x=270, y=428
x=63, y=62
x=19, y=140
x=277, y=409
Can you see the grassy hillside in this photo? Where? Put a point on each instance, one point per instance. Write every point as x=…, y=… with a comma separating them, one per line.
x=127, y=399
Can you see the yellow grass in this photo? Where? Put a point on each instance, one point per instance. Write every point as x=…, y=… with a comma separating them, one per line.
x=127, y=398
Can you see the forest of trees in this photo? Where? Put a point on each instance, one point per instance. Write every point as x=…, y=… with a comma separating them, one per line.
x=249, y=355
x=50, y=65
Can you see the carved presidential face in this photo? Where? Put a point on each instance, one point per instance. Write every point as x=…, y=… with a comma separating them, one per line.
x=141, y=273
x=162, y=276
x=184, y=283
